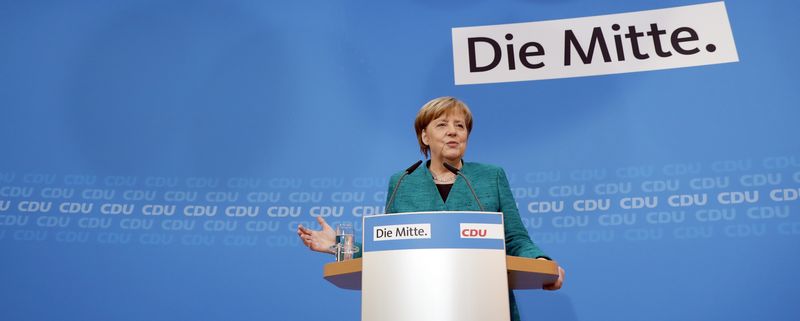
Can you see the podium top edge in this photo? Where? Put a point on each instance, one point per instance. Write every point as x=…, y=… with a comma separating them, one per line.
x=513, y=263
x=432, y=212
x=339, y=268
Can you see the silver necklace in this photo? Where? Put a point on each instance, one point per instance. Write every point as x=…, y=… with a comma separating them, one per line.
x=436, y=179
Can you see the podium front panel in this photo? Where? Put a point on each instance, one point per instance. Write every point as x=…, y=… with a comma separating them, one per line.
x=435, y=266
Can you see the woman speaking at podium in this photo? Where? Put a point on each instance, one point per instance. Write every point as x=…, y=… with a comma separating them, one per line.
x=443, y=126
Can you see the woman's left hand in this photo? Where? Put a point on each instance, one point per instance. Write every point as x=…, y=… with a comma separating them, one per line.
x=559, y=281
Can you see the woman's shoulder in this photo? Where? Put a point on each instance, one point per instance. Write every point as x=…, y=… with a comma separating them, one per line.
x=396, y=176
x=393, y=179
x=481, y=168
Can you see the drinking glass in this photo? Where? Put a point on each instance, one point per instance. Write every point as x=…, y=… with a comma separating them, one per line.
x=344, y=249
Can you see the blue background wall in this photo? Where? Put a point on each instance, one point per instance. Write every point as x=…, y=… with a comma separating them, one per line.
x=158, y=113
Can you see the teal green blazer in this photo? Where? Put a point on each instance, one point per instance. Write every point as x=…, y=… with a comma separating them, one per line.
x=418, y=193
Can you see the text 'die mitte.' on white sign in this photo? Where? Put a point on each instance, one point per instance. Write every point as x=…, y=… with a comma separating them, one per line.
x=677, y=37
x=401, y=232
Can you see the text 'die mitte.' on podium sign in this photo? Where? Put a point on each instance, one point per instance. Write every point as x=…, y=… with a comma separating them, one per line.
x=434, y=266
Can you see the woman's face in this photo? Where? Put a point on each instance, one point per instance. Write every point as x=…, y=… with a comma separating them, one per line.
x=447, y=137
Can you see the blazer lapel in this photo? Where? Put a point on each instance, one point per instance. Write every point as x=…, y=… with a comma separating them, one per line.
x=460, y=197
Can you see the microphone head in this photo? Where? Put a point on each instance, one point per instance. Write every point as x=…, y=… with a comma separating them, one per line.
x=413, y=167
x=450, y=168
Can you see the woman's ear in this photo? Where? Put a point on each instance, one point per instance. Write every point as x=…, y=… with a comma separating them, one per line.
x=424, y=137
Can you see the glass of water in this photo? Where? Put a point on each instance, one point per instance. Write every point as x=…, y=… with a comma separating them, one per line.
x=345, y=248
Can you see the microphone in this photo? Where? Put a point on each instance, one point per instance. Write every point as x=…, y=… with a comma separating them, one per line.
x=456, y=171
x=408, y=171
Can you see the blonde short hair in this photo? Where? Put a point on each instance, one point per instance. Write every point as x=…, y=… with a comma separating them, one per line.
x=435, y=109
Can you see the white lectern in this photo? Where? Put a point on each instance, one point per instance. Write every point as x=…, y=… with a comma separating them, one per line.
x=437, y=266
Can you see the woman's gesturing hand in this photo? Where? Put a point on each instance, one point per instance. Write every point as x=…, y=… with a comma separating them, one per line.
x=321, y=240
x=559, y=282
